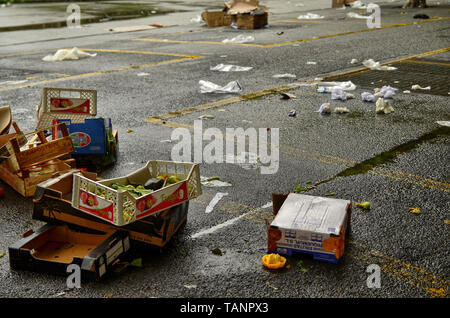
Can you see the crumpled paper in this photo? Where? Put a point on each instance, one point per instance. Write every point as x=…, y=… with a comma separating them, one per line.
x=383, y=107
x=65, y=54
x=370, y=63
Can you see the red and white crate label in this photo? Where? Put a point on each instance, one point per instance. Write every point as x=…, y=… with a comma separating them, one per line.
x=96, y=205
x=161, y=200
x=70, y=105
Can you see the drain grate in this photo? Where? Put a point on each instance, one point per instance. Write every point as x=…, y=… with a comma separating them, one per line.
x=424, y=72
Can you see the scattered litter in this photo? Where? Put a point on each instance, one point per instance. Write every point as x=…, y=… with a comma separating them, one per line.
x=416, y=86
x=357, y=5
x=370, y=63
x=387, y=91
x=407, y=92
x=365, y=205
x=206, y=117
x=396, y=82
x=197, y=19
x=60, y=294
x=234, y=25
x=222, y=110
x=143, y=74
x=166, y=141
x=280, y=33
x=420, y=16
x=300, y=265
x=286, y=75
x=357, y=16
x=368, y=97
x=2, y=254
x=310, y=16
x=383, y=107
x=190, y=286
x=273, y=261
x=292, y=113
x=287, y=96
x=213, y=182
x=327, y=86
x=444, y=123
x=337, y=93
x=271, y=286
x=330, y=194
x=130, y=130
x=415, y=210
x=353, y=61
x=209, y=87
x=214, y=201
x=341, y=110
x=65, y=54
x=324, y=109
x=230, y=68
x=311, y=63
x=240, y=39
x=217, y=251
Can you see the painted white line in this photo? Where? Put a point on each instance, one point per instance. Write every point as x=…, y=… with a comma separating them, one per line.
x=227, y=223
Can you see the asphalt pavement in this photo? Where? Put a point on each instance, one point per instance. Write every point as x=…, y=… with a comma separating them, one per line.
x=396, y=161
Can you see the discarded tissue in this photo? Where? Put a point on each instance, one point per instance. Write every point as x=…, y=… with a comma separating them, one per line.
x=387, y=91
x=65, y=54
x=209, y=87
x=368, y=97
x=230, y=68
x=324, y=109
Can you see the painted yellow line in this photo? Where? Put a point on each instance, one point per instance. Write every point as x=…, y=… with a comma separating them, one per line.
x=413, y=275
x=26, y=53
x=394, y=267
x=85, y=75
x=360, y=70
x=426, y=62
x=294, y=41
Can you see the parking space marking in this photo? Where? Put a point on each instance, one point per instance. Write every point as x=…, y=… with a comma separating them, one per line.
x=413, y=275
x=182, y=57
x=293, y=41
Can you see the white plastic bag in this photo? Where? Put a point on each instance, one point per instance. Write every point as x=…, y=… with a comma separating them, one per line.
x=65, y=54
x=388, y=91
x=370, y=63
x=309, y=16
x=240, y=39
x=230, y=68
x=209, y=87
x=337, y=93
x=368, y=97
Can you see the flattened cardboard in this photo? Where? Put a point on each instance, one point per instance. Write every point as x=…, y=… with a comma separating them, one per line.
x=52, y=248
x=52, y=204
x=5, y=119
x=309, y=224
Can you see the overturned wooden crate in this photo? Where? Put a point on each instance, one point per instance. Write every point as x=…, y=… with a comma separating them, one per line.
x=25, y=164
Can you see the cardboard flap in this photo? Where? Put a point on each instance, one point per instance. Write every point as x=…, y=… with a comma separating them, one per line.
x=243, y=6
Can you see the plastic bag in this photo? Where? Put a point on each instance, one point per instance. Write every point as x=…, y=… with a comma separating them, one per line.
x=327, y=87
x=310, y=16
x=286, y=75
x=337, y=93
x=324, y=109
x=214, y=201
x=65, y=54
x=209, y=87
x=240, y=39
x=370, y=63
x=230, y=68
x=388, y=91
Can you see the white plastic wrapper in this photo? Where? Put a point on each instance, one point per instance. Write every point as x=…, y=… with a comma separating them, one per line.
x=65, y=54
x=370, y=63
x=416, y=86
x=324, y=109
x=326, y=87
x=310, y=16
x=368, y=97
x=443, y=123
x=230, y=68
x=240, y=39
x=357, y=5
x=214, y=201
x=286, y=75
x=209, y=87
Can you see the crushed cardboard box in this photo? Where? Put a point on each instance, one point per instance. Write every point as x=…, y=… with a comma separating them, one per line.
x=309, y=224
x=245, y=14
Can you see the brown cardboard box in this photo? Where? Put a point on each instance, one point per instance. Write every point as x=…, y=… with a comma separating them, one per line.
x=247, y=15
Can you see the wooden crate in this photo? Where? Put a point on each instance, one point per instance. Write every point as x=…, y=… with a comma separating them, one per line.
x=23, y=169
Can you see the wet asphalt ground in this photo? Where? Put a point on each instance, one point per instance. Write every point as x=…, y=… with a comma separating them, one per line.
x=396, y=161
